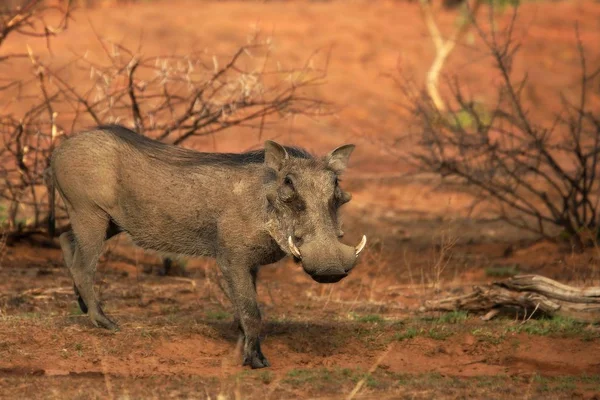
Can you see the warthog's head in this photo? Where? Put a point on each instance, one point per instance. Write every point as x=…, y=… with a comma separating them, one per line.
x=303, y=199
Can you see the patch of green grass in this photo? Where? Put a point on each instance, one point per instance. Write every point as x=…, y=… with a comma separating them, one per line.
x=439, y=333
x=79, y=348
x=437, y=329
x=409, y=333
x=265, y=377
x=369, y=334
x=300, y=377
x=453, y=317
x=546, y=384
x=591, y=379
x=555, y=326
x=299, y=374
x=217, y=315
x=368, y=318
x=430, y=380
x=490, y=382
x=502, y=271
x=566, y=383
x=482, y=386
x=487, y=335
x=371, y=382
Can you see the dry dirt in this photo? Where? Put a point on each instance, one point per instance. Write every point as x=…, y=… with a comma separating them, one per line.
x=363, y=337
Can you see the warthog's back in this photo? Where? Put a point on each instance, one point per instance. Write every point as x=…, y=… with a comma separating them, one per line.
x=114, y=140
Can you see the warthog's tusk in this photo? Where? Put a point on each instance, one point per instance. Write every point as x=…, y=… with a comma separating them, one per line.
x=293, y=249
x=361, y=245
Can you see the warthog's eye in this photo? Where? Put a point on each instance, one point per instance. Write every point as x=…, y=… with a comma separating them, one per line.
x=288, y=181
x=287, y=192
x=336, y=181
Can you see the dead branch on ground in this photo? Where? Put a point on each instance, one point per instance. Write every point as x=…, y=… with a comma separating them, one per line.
x=529, y=294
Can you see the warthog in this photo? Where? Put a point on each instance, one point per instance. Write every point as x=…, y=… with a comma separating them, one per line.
x=246, y=210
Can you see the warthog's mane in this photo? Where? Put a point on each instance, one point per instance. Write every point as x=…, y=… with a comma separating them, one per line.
x=186, y=157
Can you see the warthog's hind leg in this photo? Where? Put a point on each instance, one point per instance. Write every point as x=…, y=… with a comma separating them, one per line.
x=85, y=245
x=67, y=245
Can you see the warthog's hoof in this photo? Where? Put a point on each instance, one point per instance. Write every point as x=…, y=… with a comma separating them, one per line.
x=102, y=321
x=256, y=360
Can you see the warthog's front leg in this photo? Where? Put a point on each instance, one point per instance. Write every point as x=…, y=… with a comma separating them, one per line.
x=242, y=292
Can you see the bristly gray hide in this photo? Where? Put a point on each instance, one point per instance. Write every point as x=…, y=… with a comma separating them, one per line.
x=246, y=210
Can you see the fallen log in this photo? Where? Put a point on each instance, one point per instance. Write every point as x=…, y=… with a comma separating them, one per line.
x=529, y=293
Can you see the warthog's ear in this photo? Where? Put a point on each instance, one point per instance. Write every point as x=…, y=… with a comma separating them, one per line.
x=337, y=160
x=275, y=155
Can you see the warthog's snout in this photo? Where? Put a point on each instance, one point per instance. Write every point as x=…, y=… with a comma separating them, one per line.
x=326, y=262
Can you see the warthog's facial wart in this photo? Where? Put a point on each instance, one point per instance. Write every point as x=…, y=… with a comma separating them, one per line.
x=304, y=197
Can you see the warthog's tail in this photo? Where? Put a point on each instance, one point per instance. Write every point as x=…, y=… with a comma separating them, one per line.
x=49, y=178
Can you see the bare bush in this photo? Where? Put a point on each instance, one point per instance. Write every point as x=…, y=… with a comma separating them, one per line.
x=24, y=154
x=169, y=98
x=535, y=175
